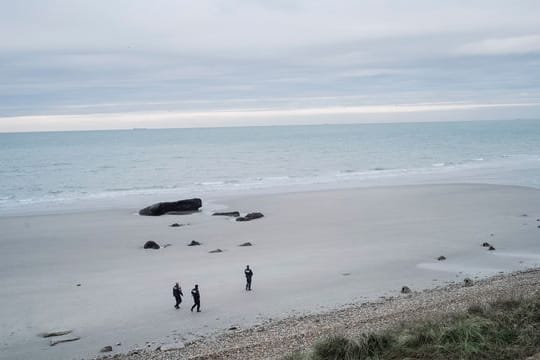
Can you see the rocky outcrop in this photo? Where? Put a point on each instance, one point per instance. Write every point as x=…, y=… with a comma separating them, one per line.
x=230, y=213
x=194, y=243
x=250, y=216
x=151, y=245
x=175, y=207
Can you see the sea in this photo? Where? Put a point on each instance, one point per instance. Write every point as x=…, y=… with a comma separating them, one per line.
x=70, y=171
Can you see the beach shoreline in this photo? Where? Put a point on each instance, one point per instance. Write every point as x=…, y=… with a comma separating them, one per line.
x=313, y=252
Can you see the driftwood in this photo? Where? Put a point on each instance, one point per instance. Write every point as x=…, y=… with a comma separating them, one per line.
x=55, y=333
x=53, y=343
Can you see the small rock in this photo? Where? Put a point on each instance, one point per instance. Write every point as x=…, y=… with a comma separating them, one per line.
x=55, y=333
x=250, y=216
x=441, y=258
x=486, y=244
x=467, y=282
x=215, y=251
x=246, y=244
x=194, y=243
x=167, y=245
x=54, y=343
x=151, y=245
x=118, y=344
x=176, y=225
x=346, y=274
x=491, y=248
x=107, y=348
x=405, y=290
x=524, y=215
x=233, y=328
x=230, y=213
x=78, y=284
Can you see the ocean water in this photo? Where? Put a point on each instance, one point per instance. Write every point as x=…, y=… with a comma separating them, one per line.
x=74, y=170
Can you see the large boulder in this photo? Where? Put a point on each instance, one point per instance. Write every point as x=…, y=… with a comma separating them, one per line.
x=175, y=207
x=250, y=216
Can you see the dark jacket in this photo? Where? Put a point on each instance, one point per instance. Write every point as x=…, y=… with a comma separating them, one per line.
x=249, y=273
x=196, y=295
x=177, y=292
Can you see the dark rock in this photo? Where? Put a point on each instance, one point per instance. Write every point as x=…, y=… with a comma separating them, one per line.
x=166, y=245
x=491, y=248
x=246, y=244
x=176, y=225
x=175, y=207
x=78, y=284
x=250, y=216
x=55, y=333
x=486, y=244
x=107, y=348
x=151, y=245
x=54, y=343
x=233, y=328
x=405, y=290
x=215, y=251
x=194, y=243
x=441, y=258
x=230, y=213
x=524, y=215
x=467, y=282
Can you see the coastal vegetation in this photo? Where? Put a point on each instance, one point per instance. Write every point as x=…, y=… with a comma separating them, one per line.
x=503, y=329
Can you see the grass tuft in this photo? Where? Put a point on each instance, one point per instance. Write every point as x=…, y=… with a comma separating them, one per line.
x=504, y=329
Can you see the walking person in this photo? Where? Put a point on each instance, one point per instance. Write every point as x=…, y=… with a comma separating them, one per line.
x=249, y=274
x=196, y=298
x=177, y=293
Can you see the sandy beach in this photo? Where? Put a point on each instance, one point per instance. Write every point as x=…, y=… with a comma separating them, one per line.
x=313, y=252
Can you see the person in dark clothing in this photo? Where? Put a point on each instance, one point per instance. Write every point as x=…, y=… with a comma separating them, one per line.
x=196, y=298
x=177, y=293
x=249, y=274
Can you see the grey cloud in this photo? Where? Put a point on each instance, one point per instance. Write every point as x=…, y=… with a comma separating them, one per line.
x=60, y=56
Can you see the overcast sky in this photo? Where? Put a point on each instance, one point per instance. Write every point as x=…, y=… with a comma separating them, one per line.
x=68, y=64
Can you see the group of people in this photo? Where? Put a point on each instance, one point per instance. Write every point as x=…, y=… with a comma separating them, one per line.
x=177, y=291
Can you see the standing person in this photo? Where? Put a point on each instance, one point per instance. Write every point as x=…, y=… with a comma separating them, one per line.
x=249, y=274
x=196, y=298
x=177, y=293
